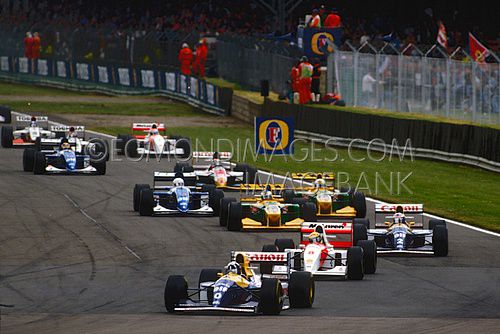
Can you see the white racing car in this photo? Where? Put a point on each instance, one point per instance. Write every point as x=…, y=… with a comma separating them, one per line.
x=151, y=139
x=329, y=250
x=401, y=233
x=25, y=131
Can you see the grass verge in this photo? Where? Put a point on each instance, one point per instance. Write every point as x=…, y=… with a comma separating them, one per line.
x=459, y=192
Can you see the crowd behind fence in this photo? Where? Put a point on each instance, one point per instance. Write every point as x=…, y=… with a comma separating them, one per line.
x=435, y=83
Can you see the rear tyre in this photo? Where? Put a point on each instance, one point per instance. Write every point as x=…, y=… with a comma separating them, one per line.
x=209, y=188
x=183, y=167
x=209, y=275
x=100, y=167
x=234, y=221
x=369, y=255
x=185, y=144
x=40, y=163
x=288, y=195
x=266, y=267
x=270, y=297
x=359, y=204
x=137, y=194
x=131, y=147
x=249, y=172
x=299, y=200
x=120, y=144
x=28, y=159
x=362, y=221
x=7, y=136
x=283, y=244
x=146, y=203
x=214, y=201
x=355, y=270
x=309, y=212
x=359, y=233
x=6, y=114
x=301, y=289
x=224, y=210
x=440, y=240
x=436, y=222
x=175, y=291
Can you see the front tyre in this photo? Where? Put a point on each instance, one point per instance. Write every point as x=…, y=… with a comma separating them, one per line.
x=175, y=291
x=301, y=289
x=270, y=297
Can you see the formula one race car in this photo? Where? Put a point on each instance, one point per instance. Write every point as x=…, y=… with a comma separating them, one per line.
x=176, y=199
x=264, y=212
x=64, y=159
x=25, y=131
x=333, y=249
x=329, y=201
x=400, y=233
x=242, y=289
x=151, y=139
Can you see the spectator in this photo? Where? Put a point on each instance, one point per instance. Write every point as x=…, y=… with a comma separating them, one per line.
x=305, y=74
x=315, y=20
x=201, y=58
x=368, y=88
x=36, y=46
x=295, y=81
x=332, y=20
x=315, y=80
x=185, y=58
x=28, y=45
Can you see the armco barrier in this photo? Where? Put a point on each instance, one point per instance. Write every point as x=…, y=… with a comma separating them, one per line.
x=469, y=144
x=117, y=79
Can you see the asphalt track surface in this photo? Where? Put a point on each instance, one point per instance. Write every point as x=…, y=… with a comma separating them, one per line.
x=75, y=258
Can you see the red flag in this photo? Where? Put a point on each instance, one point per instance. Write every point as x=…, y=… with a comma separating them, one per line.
x=478, y=51
x=442, y=38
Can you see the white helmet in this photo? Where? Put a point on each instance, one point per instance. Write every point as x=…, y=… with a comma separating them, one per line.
x=178, y=182
x=320, y=183
x=233, y=267
x=399, y=218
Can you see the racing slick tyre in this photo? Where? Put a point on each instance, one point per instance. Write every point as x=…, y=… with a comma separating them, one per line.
x=224, y=210
x=185, y=144
x=362, y=221
x=358, y=202
x=214, y=200
x=369, y=255
x=7, y=136
x=266, y=267
x=288, y=195
x=436, y=222
x=38, y=144
x=309, y=212
x=283, y=244
x=100, y=167
x=359, y=233
x=299, y=200
x=301, y=289
x=146, y=203
x=209, y=188
x=137, y=194
x=175, y=291
x=99, y=150
x=209, y=275
x=5, y=114
x=249, y=172
x=270, y=297
x=440, y=240
x=355, y=270
x=234, y=217
x=183, y=167
x=39, y=164
x=130, y=147
x=28, y=159
x=120, y=144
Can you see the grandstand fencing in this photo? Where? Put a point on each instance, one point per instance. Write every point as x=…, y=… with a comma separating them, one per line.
x=431, y=82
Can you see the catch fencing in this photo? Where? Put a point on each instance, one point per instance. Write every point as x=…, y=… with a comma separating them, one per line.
x=435, y=83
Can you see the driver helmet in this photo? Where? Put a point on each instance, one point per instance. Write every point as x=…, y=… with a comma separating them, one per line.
x=233, y=267
x=33, y=121
x=267, y=193
x=178, y=182
x=65, y=145
x=319, y=184
x=71, y=132
x=315, y=237
x=154, y=129
x=216, y=158
x=399, y=218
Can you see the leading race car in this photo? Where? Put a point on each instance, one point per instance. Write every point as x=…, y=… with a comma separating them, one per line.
x=330, y=250
x=175, y=199
x=25, y=131
x=400, y=233
x=242, y=288
x=330, y=202
x=151, y=139
x=264, y=212
x=62, y=160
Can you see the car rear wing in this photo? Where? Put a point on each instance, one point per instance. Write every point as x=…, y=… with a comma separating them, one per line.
x=311, y=176
x=62, y=130
x=282, y=259
x=255, y=187
x=23, y=121
x=338, y=233
x=147, y=126
x=206, y=155
x=189, y=178
x=387, y=209
x=53, y=144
